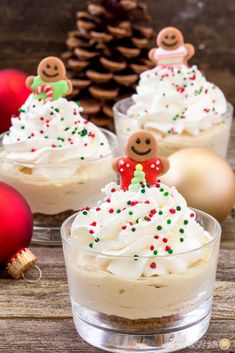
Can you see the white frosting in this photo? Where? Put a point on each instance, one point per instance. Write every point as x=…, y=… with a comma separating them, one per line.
x=177, y=99
x=129, y=223
x=53, y=133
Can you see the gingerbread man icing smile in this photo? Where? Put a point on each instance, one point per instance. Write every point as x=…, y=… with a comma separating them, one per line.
x=171, y=48
x=141, y=154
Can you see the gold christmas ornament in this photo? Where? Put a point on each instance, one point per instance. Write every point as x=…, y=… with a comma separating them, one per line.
x=205, y=180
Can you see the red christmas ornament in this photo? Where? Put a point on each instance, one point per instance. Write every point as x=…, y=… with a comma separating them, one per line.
x=15, y=231
x=13, y=93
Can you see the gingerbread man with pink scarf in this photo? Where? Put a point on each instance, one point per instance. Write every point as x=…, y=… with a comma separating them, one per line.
x=171, y=51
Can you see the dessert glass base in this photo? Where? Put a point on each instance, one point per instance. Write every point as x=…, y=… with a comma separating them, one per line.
x=161, y=313
x=214, y=136
x=159, y=339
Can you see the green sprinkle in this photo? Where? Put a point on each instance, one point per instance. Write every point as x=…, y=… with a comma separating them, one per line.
x=78, y=103
x=83, y=132
x=118, y=210
x=178, y=208
x=170, y=251
x=168, y=221
x=155, y=252
x=85, y=213
x=181, y=230
x=45, y=137
x=186, y=222
x=22, y=127
x=159, y=227
x=57, y=110
x=21, y=110
x=97, y=240
x=133, y=229
x=161, y=190
x=181, y=240
x=166, y=193
x=101, y=143
x=160, y=213
x=143, y=191
x=82, y=158
x=91, y=245
x=128, y=202
x=62, y=119
x=67, y=128
x=130, y=213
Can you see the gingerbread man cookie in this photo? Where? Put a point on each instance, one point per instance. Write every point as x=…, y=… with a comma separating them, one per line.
x=141, y=155
x=51, y=82
x=171, y=48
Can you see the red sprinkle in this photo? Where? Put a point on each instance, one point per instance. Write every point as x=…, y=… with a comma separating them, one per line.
x=156, y=236
x=172, y=210
x=167, y=248
x=158, y=185
x=98, y=209
x=165, y=240
x=192, y=214
x=91, y=231
x=123, y=227
x=147, y=202
x=108, y=200
x=153, y=265
x=113, y=190
x=33, y=149
x=93, y=224
x=151, y=247
x=111, y=210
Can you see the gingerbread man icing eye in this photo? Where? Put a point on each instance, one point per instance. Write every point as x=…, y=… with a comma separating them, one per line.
x=148, y=141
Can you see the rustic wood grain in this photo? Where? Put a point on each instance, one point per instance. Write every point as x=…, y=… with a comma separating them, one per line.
x=32, y=30
x=59, y=336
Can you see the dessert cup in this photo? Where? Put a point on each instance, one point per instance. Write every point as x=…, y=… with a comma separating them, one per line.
x=214, y=136
x=55, y=198
x=161, y=313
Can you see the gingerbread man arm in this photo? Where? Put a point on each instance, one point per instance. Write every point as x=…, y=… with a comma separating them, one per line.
x=70, y=87
x=165, y=164
x=29, y=81
x=151, y=55
x=190, y=51
x=115, y=164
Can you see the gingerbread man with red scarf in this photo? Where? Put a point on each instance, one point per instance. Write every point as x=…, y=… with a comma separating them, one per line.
x=141, y=149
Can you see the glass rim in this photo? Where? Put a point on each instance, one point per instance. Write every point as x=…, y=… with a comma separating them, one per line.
x=117, y=111
x=218, y=231
x=109, y=135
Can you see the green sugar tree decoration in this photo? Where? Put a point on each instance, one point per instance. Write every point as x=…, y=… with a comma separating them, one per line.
x=139, y=178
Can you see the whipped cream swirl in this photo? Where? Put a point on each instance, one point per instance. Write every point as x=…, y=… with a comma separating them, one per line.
x=53, y=133
x=174, y=99
x=143, y=226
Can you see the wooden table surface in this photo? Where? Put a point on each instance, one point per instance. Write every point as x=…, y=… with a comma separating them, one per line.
x=37, y=318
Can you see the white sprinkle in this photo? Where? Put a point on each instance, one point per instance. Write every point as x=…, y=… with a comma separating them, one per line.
x=152, y=166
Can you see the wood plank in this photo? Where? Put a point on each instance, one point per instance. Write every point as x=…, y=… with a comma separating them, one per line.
x=50, y=299
x=59, y=336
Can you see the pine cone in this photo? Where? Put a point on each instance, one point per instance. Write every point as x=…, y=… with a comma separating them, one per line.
x=106, y=54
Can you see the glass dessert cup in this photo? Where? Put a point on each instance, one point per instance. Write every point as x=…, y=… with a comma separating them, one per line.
x=215, y=136
x=54, y=199
x=155, y=314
